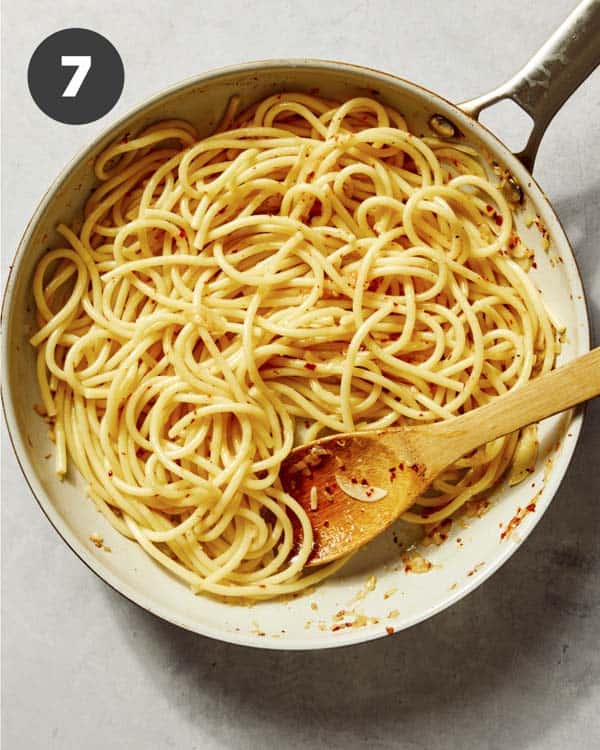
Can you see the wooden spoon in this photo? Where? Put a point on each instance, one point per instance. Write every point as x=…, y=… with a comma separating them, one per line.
x=401, y=462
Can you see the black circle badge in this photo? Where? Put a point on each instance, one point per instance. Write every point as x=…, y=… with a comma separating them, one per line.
x=75, y=76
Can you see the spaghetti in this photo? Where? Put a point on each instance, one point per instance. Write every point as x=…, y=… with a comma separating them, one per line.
x=311, y=267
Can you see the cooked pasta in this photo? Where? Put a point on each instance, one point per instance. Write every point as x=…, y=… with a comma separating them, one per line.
x=311, y=267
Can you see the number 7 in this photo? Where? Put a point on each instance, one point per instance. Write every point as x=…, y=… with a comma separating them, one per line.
x=83, y=63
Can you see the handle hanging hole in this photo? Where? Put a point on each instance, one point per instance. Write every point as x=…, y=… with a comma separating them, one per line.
x=509, y=122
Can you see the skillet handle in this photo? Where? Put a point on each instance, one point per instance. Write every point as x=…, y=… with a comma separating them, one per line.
x=543, y=85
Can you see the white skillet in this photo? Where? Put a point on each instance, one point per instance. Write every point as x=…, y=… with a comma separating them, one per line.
x=374, y=589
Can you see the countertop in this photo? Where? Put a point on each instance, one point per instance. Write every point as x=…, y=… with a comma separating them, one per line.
x=515, y=664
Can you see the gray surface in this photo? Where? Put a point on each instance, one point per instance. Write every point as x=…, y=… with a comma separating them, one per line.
x=517, y=663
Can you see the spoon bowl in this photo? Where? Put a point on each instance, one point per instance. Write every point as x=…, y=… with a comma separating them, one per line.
x=354, y=485
x=339, y=481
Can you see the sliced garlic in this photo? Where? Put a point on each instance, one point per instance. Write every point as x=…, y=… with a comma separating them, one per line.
x=525, y=456
x=362, y=492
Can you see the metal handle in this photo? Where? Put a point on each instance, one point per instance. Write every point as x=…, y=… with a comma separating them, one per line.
x=551, y=76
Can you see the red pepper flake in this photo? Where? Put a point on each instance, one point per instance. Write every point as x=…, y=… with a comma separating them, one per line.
x=498, y=219
x=110, y=473
x=364, y=482
x=310, y=366
x=389, y=630
x=533, y=264
x=354, y=480
x=181, y=233
x=530, y=507
x=489, y=208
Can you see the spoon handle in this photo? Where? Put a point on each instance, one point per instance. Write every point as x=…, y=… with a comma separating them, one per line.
x=560, y=389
